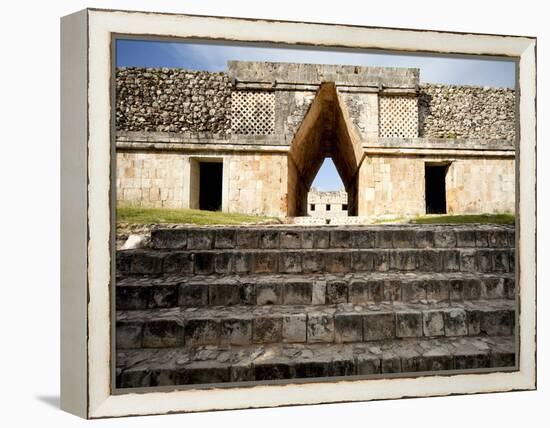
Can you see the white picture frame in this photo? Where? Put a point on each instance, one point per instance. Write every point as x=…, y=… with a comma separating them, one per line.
x=87, y=214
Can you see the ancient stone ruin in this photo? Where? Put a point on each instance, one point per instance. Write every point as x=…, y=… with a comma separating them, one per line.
x=212, y=305
x=252, y=139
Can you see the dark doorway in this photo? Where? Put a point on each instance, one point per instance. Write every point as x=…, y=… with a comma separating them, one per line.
x=436, y=201
x=210, y=186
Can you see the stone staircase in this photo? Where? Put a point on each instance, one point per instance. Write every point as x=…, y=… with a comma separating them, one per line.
x=228, y=304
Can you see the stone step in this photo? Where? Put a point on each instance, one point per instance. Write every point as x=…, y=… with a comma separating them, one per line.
x=203, y=365
x=207, y=262
x=245, y=325
x=285, y=237
x=167, y=291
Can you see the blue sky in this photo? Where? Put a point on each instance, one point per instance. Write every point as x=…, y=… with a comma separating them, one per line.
x=213, y=57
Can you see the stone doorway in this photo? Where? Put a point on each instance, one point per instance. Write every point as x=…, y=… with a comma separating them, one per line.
x=326, y=131
x=436, y=193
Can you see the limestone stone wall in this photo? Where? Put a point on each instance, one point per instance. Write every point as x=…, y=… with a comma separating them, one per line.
x=258, y=183
x=148, y=179
x=252, y=183
x=394, y=186
x=172, y=100
x=450, y=111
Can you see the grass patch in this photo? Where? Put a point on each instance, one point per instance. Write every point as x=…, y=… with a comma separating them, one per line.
x=466, y=219
x=185, y=216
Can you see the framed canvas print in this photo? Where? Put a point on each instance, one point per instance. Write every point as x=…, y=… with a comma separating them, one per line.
x=263, y=213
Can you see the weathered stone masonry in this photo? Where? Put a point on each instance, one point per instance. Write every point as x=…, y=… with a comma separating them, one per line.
x=206, y=305
x=270, y=126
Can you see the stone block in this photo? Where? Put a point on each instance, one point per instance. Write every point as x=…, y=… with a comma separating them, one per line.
x=510, y=288
x=444, y=238
x=225, y=239
x=468, y=261
x=297, y=292
x=290, y=239
x=202, y=331
x=268, y=239
x=311, y=369
x=408, y=324
x=392, y=291
x=340, y=239
x=450, y=261
x=321, y=239
x=294, y=328
x=320, y=327
x=200, y=239
x=376, y=290
x=482, y=238
x=384, y=239
x=193, y=294
x=308, y=239
x=163, y=334
x=359, y=291
x=433, y=323
x=290, y=262
x=466, y=361
x=247, y=239
x=363, y=261
x=336, y=292
x=247, y=293
x=473, y=319
x=429, y=261
x=379, y=326
x=367, y=364
x=348, y=327
x=169, y=238
x=224, y=294
x=319, y=291
x=267, y=329
x=178, y=263
x=465, y=238
x=132, y=297
x=403, y=260
x=128, y=335
x=163, y=296
x=236, y=331
x=501, y=261
x=313, y=262
x=494, y=288
x=404, y=238
x=135, y=377
x=455, y=322
x=203, y=372
x=147, y=263
x=123, y=260
x=484, y=261
x=497, y=322
x=342, y=366
x=472, y=289
x=243, y=262
x=363, y=238
x=204, y=263
x=337, y=261
x=269, y=293
x=414, y=291
x=272, y=371
x=382, y=260
x=265, y=262
x=499, y=239
x=390, y=363
x=424, y=239
x=437, y=290
x=223, y=262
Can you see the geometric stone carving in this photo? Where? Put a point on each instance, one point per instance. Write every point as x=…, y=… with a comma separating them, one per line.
x=398, y=116
x=252, y=112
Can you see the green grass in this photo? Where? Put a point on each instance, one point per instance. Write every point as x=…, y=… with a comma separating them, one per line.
x=185, y=216
x=465, y=219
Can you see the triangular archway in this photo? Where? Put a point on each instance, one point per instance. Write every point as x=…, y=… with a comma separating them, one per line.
x=326, y=131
